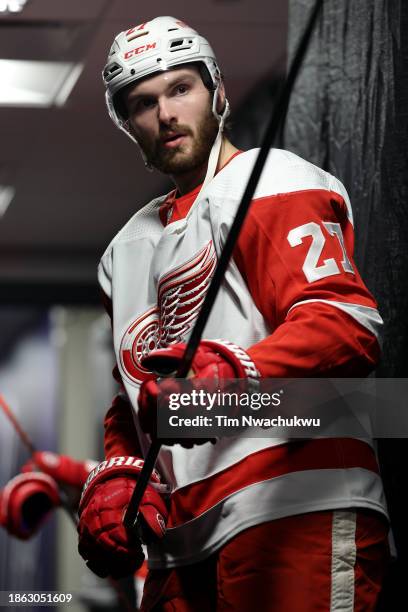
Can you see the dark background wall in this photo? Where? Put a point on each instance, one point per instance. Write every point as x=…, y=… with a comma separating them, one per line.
x=348, y=114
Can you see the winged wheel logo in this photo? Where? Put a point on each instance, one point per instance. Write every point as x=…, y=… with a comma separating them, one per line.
x=180, y=295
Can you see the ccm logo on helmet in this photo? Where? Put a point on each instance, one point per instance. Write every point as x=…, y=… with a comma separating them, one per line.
x=139, y=50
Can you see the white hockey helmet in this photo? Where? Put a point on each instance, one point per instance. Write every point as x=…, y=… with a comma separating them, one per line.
x=151, y=47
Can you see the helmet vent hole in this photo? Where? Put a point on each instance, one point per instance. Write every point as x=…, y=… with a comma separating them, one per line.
x=136, y=35
x=111, y=71
x=180, y=44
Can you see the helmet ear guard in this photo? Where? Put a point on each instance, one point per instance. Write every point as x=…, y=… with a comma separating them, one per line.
x=205, y=76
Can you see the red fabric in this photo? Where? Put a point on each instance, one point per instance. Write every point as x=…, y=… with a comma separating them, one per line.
x=62, y=468
x=193, y=500
x=177, y=207
x=273, y=271
x=315, y=338
x=104, y=542
x=120, y=432
x=264, y=254
x=26, y=501
x=279, y=566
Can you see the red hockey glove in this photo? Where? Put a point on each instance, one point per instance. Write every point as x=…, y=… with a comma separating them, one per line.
x=215, y=359
x=63, y=469
x=25, y=503
x=104, y=542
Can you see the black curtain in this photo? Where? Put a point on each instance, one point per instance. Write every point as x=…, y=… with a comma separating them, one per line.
x=349, y=115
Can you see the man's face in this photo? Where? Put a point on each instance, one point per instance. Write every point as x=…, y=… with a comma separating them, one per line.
x=171, y=118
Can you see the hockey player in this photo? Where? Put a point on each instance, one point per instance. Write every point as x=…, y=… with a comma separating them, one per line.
x=252, y=523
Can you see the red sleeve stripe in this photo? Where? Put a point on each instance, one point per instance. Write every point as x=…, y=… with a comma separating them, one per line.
x=340, y=453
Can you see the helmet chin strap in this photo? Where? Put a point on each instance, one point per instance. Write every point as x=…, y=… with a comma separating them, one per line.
x=212, y=160
x=216, y=148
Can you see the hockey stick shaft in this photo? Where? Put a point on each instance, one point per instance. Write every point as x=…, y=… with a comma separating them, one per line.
x=277, y=118
x=26, y=440
x=11, y=417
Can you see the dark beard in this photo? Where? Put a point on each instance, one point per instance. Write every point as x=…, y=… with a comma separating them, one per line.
x=169, y=161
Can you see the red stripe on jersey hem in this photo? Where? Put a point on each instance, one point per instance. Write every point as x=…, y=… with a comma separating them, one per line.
x=324, y=454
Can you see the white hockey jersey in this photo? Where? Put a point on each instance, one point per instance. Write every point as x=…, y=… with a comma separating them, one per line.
x=291, y=296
